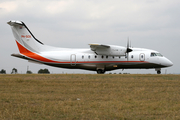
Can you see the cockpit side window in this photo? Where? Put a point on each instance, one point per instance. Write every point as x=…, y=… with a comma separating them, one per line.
x=153, y=54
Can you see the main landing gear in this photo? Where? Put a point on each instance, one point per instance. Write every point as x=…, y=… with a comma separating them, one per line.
x=100, y=71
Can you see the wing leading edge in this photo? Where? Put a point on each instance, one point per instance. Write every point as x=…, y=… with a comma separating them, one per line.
x=112, y=50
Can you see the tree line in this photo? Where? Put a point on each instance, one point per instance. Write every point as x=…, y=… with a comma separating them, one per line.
x=15, y=71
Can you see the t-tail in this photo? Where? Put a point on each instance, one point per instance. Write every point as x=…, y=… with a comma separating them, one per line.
x=25, y=40
x=29, y=47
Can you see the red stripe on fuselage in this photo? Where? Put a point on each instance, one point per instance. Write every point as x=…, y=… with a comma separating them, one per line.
x=35, y=56
x=112, y=62
x=32, y=55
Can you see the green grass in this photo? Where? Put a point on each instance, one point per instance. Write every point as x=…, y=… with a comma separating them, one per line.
x=71, y=96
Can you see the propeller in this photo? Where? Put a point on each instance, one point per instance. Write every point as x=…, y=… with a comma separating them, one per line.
x=128, y=49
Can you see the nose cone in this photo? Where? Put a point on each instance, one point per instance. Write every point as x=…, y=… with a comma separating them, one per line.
x=170, y=63
x=167, y=62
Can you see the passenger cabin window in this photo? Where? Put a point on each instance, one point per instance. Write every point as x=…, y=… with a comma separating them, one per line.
x=132, y=56
x=89, y=56
x=156, y=54
x=102, y=56
x=95, y=56
x=106, y=56
x=83, y=57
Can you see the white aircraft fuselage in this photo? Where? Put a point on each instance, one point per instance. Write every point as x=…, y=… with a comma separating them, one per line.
x=98, y=57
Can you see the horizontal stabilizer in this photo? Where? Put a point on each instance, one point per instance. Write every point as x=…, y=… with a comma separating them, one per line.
x=14, y=23
x=24, y=57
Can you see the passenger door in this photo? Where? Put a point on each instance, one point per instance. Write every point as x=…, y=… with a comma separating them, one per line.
x=73, y=60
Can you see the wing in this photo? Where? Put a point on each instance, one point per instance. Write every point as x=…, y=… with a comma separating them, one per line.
x=101, y=49
x=95, y=46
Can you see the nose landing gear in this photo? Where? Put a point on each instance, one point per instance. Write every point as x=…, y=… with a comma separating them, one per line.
x=158, y=70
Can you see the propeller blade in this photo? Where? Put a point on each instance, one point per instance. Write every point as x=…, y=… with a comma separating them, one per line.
x=127, y=56
x=128, y=43
x=128, y=49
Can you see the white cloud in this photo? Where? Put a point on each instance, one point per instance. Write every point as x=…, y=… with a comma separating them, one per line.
x=8, y=7
x=56, y=7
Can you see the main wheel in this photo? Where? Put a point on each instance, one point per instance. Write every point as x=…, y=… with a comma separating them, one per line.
x=100, y=71
x=158, y=72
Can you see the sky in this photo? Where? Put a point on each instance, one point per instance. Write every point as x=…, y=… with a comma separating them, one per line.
x=152, y=24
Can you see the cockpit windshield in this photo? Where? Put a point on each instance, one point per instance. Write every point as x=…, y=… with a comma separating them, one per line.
x=159, y=54
x=156, y=54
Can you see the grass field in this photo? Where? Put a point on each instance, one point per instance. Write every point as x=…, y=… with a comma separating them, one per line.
x=89, y=96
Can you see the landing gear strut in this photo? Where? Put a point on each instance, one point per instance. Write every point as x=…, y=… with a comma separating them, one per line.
x=100, y=71
x=158, y=72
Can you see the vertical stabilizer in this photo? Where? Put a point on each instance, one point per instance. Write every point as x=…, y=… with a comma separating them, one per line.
x=24, y=38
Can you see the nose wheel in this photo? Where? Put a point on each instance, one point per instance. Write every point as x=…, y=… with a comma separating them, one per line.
x=158, y=72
